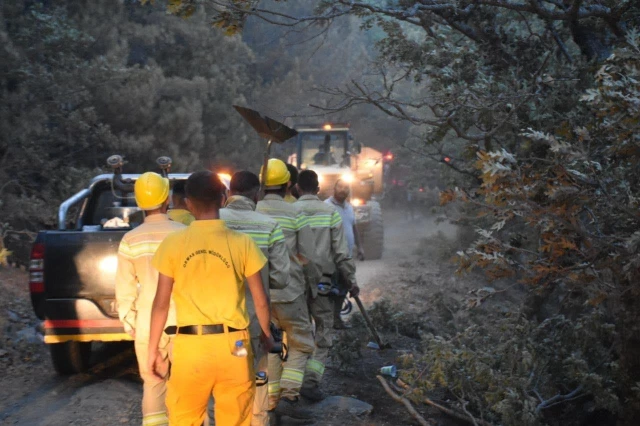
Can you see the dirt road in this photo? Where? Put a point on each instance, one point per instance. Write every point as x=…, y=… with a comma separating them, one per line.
x=32, y=394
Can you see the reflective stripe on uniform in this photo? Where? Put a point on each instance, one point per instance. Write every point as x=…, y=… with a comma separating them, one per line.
x=292, y=375
x=315, y=366
x=336, y=219
x=320, y=221
x=139, y=248
x=155, y=419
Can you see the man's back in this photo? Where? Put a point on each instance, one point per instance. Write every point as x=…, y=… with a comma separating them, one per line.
x=326, y=224
x=299, y=239
x=239, y=215
x=135, y=253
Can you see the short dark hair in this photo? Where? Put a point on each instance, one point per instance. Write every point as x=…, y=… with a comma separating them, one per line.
x=293, y=170
x=245, y=183
x=281, y=191
x=178, y=188
x=205, y=189
x=308, y=181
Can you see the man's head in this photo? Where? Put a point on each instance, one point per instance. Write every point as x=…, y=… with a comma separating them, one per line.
x=308, y=182
x=341, y=191
x=178, y=195
x=151, y=192
x=205, y=193
x=293, y=170
x=277, y=177
x=246, y=184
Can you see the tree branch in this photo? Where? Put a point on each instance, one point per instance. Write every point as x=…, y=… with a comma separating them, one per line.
x=403, y=401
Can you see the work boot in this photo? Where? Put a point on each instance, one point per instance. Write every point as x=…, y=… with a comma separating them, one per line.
x=338, y=324
x=291, y=408
x=312, y=393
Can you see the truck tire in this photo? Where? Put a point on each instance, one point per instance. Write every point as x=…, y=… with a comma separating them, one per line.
x=373, y=234
x=70, y=357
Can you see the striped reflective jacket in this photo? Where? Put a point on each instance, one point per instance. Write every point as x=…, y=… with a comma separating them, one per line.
x=332, y=250
x=136, y=278
x=304, y=273
x=239, y=214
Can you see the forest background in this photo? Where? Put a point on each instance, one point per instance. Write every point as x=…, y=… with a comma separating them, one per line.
x=537, y=103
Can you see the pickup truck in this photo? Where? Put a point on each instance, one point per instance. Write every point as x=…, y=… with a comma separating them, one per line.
x=72, y=269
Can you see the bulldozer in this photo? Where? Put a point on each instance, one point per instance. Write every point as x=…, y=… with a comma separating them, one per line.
x=330, y=150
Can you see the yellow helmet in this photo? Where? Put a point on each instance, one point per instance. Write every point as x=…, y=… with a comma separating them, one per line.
x=151, y=191
x=277, y=173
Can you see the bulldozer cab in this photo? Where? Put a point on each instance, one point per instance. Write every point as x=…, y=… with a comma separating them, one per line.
x=329, y=150
x=320, y=146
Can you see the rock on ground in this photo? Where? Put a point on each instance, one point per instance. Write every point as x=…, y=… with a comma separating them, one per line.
x=343, y=403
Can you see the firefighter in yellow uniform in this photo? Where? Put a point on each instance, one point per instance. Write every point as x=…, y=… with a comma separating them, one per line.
x=239, y=214
x=179, y=212
x=204, y=268
x=289, y=309
x=136, y=281
x=332, y=252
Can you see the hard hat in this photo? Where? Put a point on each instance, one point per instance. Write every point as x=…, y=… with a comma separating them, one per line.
x=277, y=173
x=151, y=190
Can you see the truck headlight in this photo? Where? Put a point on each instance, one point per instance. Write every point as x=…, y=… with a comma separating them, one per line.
x=347, y=177
x=357, y=202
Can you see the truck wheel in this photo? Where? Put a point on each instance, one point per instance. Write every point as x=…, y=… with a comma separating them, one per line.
x=70, y=357
x=374, y=233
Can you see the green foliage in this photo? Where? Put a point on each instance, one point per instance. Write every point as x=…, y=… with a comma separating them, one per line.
x=509, y=369
x=80, y=81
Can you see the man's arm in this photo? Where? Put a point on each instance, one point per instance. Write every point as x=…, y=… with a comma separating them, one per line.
x=159, y=314
x=261, y=305
x=279, y=262
x=356, y=239
x=341, y=256
x=126, y=290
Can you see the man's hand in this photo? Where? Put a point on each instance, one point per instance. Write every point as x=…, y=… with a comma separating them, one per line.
x=158, y=365
x=360, y=255
x=130, y=330
x=267, y=342
x=354, y=290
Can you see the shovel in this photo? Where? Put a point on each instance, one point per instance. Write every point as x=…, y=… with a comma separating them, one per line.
x=372, y=329
x=269, y=129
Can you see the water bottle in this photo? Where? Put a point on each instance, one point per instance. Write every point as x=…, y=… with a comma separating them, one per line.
x=239, y=349
x=261, y=378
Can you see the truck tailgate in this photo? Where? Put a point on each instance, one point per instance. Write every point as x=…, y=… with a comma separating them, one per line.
x=82, y=265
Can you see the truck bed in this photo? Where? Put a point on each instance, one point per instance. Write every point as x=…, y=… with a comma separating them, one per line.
x=78, y=302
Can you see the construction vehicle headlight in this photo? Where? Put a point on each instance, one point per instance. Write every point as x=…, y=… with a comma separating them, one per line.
x=347, y=177
x=225, y=178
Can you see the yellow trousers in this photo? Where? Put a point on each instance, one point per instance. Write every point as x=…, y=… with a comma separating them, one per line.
x=285, y=378
x=154, y=410
x=204, y=366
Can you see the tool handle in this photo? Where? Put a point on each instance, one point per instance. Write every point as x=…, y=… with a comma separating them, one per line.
x=368, y=321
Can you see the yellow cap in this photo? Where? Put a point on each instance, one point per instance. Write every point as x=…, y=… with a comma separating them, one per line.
x=277, y=173
x=151, y=190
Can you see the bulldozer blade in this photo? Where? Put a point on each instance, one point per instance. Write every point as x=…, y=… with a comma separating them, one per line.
x=372, y=329
x=267, y=128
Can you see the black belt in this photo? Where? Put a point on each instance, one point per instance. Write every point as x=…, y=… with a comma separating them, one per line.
x=193, y=329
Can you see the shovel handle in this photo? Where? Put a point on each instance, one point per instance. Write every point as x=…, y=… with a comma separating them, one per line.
x=372, y=329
